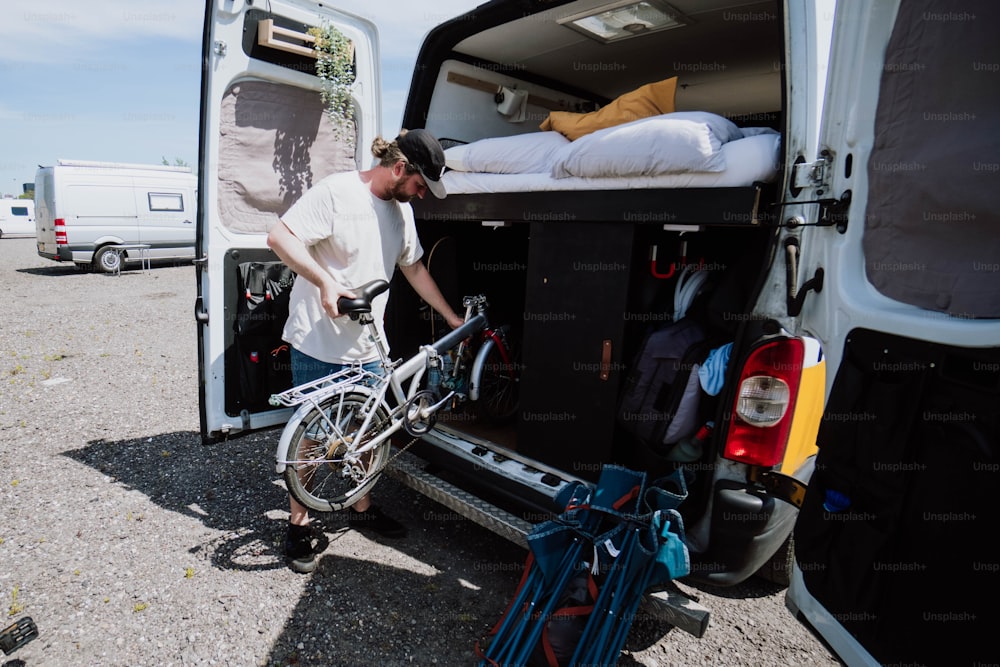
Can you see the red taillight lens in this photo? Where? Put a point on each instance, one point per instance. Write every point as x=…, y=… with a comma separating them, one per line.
x=764, y=403
x=60, y=226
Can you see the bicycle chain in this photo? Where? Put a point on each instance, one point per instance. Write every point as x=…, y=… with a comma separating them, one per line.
x=394, y=456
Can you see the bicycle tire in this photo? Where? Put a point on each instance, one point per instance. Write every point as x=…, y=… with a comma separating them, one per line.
x=497, y=380
x=325, y=483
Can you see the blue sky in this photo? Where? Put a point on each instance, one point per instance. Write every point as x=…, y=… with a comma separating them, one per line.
x=118, y=80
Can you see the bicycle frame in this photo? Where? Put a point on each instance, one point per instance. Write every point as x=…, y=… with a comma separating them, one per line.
x=355, y=379
x=491, y=337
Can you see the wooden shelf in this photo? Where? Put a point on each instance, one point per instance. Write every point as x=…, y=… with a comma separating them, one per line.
x=492, y=88
x=285, y=39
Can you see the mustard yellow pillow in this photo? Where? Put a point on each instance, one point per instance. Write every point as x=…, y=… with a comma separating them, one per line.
x=652, y=99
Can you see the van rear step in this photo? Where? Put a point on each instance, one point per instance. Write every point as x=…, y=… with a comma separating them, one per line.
x=406, y=469
x=668, y=605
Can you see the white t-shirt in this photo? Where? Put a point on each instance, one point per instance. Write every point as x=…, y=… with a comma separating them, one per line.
x=358, y=238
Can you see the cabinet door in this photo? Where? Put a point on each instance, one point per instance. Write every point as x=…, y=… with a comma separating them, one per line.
x=578, y=277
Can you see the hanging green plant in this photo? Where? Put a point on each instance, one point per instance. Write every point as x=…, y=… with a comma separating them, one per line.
x=335, y=67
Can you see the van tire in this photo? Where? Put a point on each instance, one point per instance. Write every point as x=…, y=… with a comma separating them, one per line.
x=106, y=260
x=778, y=568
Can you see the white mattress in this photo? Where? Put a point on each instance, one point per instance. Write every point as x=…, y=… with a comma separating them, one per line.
x=748, y=160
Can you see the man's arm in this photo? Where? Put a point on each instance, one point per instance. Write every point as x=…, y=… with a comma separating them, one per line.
x=423, y=283
x=295, y=255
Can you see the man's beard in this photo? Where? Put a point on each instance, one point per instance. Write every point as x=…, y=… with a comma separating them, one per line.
x=397, y=192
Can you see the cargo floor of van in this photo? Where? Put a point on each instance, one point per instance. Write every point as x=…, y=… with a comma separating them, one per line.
x=503, y=435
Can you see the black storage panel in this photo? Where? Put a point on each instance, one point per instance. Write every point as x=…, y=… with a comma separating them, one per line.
x=574, y=323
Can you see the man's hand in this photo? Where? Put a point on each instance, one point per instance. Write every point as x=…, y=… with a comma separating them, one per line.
x=329, y=292
x=455, y=321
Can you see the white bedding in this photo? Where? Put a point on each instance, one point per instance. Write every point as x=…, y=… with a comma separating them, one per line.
x=753, y=158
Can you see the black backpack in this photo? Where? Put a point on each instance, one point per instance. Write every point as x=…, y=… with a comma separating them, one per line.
x=661, y=398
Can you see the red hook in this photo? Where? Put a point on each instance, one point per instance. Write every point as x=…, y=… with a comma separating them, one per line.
x=655, y=272
x=674, y=266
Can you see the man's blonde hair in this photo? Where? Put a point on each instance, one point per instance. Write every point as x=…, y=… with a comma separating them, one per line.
x=388, y=153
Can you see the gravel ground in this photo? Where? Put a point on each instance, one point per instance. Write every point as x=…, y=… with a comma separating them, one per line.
x=131, y=543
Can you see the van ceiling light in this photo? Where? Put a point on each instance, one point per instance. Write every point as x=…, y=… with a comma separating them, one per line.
x=621, y=20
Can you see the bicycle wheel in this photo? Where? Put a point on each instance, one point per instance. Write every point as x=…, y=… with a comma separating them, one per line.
x=498, y=385
x=323, y=477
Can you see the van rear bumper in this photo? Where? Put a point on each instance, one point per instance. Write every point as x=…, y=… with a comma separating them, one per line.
x=66, y=253
x=748, y=525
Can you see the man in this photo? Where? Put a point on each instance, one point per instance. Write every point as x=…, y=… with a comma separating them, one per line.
x=349, y=229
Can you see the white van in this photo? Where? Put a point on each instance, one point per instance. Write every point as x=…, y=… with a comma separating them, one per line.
x=848, y=236
x=17, y=217
x=85, y=209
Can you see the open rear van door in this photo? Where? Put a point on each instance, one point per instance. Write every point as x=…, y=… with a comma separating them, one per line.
x=265, y=139
x=894, y=564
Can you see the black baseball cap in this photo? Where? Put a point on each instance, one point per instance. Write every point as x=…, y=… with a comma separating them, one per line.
x=425, y=153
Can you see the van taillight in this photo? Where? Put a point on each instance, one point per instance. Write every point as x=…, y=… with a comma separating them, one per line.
x=764, y=403
x=60, y=227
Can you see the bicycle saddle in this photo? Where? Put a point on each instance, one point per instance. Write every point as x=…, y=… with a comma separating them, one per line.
x=363, y=303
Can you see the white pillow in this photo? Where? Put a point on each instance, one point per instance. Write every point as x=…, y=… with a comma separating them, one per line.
x=529, y=153
x=725, y=129
x=645, y=147
x=755, y=131
x=454, y=157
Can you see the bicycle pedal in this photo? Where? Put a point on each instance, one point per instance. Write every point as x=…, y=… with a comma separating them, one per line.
x=17, y=635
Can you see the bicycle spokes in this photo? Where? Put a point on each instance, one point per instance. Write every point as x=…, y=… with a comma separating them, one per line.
x=334, y=458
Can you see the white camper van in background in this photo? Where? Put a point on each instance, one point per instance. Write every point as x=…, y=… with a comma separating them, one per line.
x=84, y=209
x=17, y=217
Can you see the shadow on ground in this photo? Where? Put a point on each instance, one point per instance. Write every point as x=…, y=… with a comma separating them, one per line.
x=422, y=600
x=56, y=271
x=227, y=486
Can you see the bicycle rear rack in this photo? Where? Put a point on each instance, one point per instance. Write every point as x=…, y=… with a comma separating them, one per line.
x=331, y=384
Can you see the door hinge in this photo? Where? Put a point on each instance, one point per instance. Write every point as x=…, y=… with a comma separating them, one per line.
x=200, y=314
x=814, y=174
x=605, y=360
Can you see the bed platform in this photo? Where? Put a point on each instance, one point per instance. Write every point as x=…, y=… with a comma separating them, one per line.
x=735, y=192
x=732, y=206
